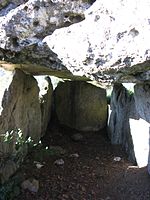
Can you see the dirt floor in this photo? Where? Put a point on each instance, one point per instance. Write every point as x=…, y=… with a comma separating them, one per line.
x=89, y=174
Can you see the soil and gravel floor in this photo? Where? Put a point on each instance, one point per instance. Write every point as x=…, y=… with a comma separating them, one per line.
x=94, y=175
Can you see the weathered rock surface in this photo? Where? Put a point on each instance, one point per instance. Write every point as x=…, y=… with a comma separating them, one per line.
x=19, y=110
x=81, y=106
x=142, y=100
x=122, y=107
x=23, y=28
x=130, y=121
x=20, y=106
x=7, y=5
x=45, y=97
x=111, y=44
x=32, y=21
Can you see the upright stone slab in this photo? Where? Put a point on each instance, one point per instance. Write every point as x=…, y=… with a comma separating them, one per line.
x=81, y=106
x=142, y=101
x=20, y=113
x=130, y=122
x=45, y=97
x=122, y=106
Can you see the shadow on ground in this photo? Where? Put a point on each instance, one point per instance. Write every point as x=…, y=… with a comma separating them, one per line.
x=90, y=175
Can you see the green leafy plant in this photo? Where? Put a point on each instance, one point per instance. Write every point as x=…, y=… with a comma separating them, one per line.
x=16, y=136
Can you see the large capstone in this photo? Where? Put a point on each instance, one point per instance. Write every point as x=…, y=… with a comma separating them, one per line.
x=81, y=106
x=110, y=42
x=110, y=45
x=24, y=25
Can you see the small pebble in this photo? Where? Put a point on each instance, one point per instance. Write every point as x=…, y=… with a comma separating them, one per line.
x=77, y=137
x=31, y=185
x=74, y=155
x=38, y=164
x=117, y=159
x=59, y=162
x=107, y=198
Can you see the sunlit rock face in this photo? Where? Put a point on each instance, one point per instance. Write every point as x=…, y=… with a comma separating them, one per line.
x=139, y=129
x=110, y=45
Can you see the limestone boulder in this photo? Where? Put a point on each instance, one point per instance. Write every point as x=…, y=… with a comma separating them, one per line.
x=20, y=118
x=24, y=25
x=30, y=22
x=80, y=105
x=45, y=98
x=110, y=45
